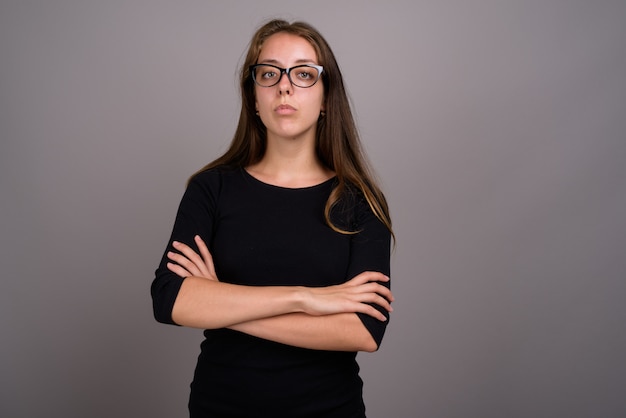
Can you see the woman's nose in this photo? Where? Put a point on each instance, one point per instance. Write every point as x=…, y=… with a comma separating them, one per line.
x=284, y=84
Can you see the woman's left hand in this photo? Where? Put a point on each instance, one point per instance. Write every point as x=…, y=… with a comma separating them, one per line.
x=189, y=263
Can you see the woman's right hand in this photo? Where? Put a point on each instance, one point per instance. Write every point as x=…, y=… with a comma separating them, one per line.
x=189, y=263
x=351, y=296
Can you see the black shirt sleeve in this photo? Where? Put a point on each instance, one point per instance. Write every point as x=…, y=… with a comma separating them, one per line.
x=370, y=251
x=195, y=216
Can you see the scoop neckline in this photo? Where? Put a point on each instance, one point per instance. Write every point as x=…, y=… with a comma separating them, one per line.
x=274, y=186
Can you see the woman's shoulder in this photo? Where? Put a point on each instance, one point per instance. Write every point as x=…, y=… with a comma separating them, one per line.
x=211, y=182
x=360, y=203
x=352, y=195
x=214, y=176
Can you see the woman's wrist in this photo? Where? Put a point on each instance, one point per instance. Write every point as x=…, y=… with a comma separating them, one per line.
x=301, y=297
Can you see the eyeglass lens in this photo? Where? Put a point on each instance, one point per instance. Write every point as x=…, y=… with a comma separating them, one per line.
x=301, y=75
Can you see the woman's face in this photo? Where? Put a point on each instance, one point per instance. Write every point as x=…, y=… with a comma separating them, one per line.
x=288, y=111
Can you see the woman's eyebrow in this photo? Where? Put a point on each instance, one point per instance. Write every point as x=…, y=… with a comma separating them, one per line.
x=297, y=62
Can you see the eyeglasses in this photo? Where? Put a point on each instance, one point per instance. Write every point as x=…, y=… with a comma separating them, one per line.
x=268, y=75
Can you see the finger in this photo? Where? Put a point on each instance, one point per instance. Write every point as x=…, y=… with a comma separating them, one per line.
x=371, y=311
x=382, y=291
x=187, y=251
x=178, y=270
x=380, y=286
x=206, y=255
x=383, y=303
x=377, y=300
x=368, y=276
x=193, y=257
x=376, y=276
x=184, y=262
x=372, y=288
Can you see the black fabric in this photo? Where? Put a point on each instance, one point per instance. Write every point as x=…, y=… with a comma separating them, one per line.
x=260, y=234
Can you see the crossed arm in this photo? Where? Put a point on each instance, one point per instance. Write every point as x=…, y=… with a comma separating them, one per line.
x=321, y=318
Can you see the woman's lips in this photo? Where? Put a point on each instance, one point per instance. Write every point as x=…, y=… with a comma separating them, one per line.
x=285, y=109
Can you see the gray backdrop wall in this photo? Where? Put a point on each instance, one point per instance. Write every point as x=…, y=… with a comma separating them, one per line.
x=498, y=130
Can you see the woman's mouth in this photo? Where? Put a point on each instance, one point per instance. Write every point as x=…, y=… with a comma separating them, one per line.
x=285, y=109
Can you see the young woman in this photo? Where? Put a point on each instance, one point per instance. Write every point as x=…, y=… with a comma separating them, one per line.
x=280, y=248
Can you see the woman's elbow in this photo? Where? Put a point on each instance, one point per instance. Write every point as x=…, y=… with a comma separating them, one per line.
x=164, y=293
x=162, y=308
x=370, y=347
x=163, y=316
x=368, y=344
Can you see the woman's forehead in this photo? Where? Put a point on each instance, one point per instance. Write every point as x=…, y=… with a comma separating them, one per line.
x=286, y=48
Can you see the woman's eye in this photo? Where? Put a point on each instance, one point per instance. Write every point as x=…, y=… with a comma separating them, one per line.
x=304, y=75
x=269, y=74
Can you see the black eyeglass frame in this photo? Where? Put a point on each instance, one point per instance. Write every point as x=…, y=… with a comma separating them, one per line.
x=319, y=68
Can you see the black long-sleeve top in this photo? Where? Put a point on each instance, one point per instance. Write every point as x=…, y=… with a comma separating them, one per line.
x=260, y=234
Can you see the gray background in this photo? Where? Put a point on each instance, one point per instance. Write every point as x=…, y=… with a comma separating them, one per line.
x=498, y=130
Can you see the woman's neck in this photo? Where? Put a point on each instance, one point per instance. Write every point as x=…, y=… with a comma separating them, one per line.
x=290, y=164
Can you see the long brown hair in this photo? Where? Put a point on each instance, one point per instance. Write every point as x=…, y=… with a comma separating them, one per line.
x=337, y=140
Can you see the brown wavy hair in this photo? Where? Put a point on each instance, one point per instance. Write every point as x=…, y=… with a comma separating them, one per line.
x=337, y=140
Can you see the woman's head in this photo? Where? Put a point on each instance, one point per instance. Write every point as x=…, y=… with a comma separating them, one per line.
x=335, y=97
